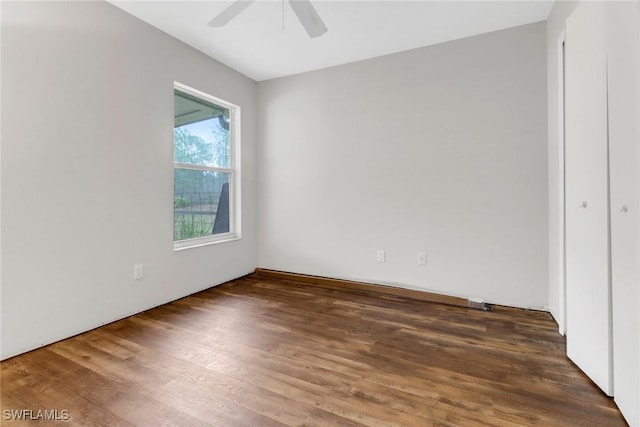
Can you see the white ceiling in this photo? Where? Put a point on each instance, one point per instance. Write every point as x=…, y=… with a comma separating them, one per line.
x=255, y=43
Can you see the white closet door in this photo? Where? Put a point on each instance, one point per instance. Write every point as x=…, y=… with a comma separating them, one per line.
x=588, y=301
x=623, y=53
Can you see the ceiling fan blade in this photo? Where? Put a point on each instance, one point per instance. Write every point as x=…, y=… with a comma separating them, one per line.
x=229, y=13
x=308, y=17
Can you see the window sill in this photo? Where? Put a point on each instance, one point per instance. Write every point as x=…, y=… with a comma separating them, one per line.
x=197, y=243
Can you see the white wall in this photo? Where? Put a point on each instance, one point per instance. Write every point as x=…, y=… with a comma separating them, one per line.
x=87, y=119
x=441, y=149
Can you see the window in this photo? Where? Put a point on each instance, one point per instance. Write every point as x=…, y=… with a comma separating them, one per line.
x=205, y=173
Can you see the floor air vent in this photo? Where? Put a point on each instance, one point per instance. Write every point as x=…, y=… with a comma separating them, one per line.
x=479, y=304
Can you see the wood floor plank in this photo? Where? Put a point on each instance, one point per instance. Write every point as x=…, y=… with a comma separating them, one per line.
x=261, y=351
x=53, y=384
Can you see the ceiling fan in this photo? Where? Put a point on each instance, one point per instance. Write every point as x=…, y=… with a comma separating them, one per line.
x=304, y=10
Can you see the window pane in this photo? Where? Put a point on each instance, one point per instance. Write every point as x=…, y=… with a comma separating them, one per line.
x=201, y=132
x=201, y=203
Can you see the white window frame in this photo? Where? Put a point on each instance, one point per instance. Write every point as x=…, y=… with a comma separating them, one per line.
x=233, y=171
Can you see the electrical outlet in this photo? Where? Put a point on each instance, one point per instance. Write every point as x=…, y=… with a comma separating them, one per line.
x=422, y=258
x=381, y=256
x=138, y=272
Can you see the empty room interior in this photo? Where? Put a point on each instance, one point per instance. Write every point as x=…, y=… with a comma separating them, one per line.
x=327, y=213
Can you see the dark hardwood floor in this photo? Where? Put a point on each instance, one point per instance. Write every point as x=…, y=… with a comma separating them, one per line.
x=266, y=352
